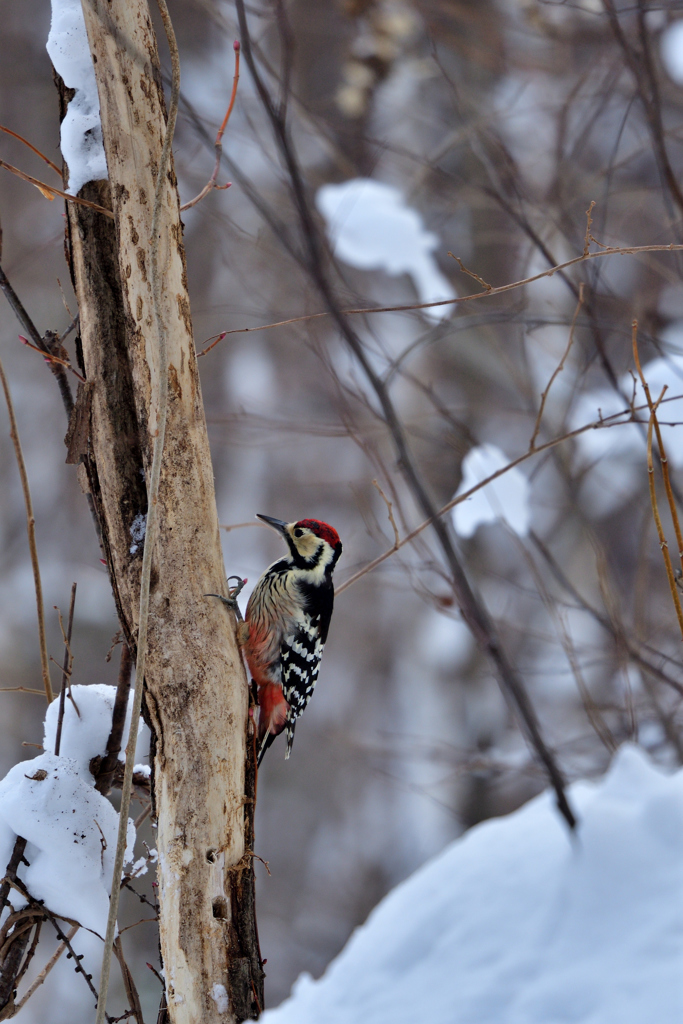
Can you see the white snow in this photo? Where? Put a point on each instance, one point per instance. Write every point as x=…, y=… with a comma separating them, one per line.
x=71, y=831
x=671, y=45
x=220, y=998
x=138, y=529
x=516, y=924
x=371, y=227
x=81, y=131
x=505, y=498
x=85, y=733
x=70, y=828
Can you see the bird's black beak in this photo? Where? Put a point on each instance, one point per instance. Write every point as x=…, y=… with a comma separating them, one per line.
x=277, y=524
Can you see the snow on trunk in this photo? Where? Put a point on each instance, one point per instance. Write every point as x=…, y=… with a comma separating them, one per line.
x=81, y=130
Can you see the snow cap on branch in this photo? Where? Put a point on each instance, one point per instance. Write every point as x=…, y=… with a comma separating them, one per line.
x=371, y=227
x=85, y=731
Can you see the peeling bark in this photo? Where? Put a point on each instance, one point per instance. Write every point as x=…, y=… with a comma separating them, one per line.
x=196, y=690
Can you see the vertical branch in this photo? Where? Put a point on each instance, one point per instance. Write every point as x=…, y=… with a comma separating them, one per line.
x=66, y=671
x=106, y=770
x=664, y=462
x=160, y=399
x=658, y=521
x=31, y=528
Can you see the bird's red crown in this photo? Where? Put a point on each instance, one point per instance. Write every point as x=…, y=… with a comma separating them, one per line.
x=322, y=530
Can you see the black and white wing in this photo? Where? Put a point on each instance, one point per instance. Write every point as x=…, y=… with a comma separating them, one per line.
x=300, y=656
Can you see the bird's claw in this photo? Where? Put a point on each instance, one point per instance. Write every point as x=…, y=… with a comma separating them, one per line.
x=231, y=601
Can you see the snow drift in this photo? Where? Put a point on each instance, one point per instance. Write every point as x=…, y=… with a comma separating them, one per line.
x=516, y=923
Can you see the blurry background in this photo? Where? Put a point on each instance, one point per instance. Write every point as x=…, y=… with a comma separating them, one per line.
x=497, y=123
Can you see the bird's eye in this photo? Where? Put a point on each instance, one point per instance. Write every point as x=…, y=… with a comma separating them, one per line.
x=298, y=533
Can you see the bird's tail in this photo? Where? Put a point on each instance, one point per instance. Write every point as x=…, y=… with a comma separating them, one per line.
x=267, y=740
x=291, y=723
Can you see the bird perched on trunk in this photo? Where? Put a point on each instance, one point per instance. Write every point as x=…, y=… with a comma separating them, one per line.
x=286, y=623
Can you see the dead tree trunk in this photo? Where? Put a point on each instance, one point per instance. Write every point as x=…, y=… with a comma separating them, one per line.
x=196, y=690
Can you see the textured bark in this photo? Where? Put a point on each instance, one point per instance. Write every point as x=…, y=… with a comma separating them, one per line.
x=196, y=691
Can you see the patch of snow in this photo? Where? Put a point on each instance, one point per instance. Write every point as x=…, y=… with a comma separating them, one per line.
x=515, y=923
x=220, y=998
x=371, y=227
x=137, y=531
x=506, y=498
x=71, y=832
x=671, y=48
x=85, y=733
x=81, y=130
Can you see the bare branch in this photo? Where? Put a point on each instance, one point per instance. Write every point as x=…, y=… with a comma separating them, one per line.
x=30, y=525
x=66, y=671
x=49, y=191
x=632, y=250
x=47, y=968
x=558, y=369
x=211, y=184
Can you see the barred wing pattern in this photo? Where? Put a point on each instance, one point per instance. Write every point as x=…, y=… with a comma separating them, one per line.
x=300, y=656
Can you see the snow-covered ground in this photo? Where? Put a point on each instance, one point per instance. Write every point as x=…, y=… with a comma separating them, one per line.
x=518, y=924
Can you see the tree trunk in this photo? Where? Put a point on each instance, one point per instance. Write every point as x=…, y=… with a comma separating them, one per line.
x=196, y=690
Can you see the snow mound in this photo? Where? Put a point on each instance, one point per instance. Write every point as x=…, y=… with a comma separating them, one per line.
x=70, y=828
x=81, y=130
x=506, y=498
x=71, y=838
x=85, y=732
x=371, y=228
x=516, y=924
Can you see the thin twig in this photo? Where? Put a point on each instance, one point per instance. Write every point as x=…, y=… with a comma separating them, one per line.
x=31, y=528
x=607, y=623
x=66, y=670
x=658, y=521
x=558, y=369
x=143, y=815
x=42, y=156
x=49, y=358
x=664, y=462
x=633, y=250
x=471, y=273
x=128, y=982
x=31, y=329
x=238, y=526
x=588, y=237
x=390, y=513
x=46, y=969
x=218, y=146
x=20, y=689
x=53, y=918
x=161, y=398
x=617, y=419
x=11, y=870
x=49, y=191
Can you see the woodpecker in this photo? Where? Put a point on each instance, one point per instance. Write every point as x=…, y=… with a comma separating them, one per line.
x=286, y=623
